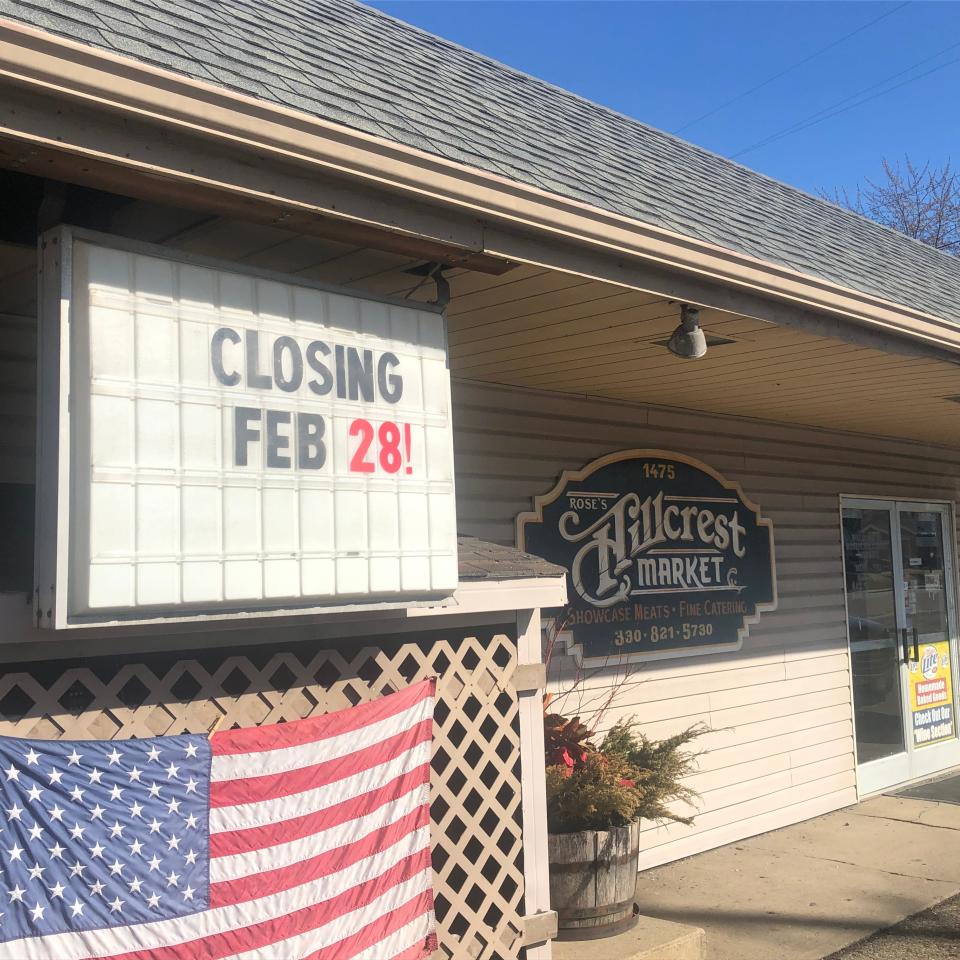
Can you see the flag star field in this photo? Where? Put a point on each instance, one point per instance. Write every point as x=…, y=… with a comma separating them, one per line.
x=96, y=833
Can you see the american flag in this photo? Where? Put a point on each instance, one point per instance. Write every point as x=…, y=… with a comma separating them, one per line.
x=305, y=839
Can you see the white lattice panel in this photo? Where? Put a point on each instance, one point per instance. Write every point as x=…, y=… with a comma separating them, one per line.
x=475, y=783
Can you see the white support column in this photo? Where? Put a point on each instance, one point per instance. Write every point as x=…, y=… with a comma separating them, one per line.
x=533, y=784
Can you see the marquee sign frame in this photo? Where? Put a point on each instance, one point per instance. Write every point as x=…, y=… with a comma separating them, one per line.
x=316, y=403
x=616, y=524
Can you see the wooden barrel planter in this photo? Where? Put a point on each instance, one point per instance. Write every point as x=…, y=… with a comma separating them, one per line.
x=593, y=875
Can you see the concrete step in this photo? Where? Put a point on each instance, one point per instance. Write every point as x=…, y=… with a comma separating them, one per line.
x=650, y=939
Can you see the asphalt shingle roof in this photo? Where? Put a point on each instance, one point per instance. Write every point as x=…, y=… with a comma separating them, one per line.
x=350, y=64
x=481, y=560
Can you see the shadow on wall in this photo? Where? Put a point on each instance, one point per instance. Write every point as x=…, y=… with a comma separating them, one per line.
x=16, y=522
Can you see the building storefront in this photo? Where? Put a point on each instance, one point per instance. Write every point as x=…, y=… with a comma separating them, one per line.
x=763, y=539
x=813, y=705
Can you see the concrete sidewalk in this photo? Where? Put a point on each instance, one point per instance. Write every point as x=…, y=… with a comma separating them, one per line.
x=805, y=891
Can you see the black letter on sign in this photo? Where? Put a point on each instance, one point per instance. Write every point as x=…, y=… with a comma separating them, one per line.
x=255, y=378
x=360, y=374
x=276, y=441
x=242, y=434
x=391, y=385
x=326, y=378
x=341, y=376
x=310, y=430
x=216, y=356
x=296, y=364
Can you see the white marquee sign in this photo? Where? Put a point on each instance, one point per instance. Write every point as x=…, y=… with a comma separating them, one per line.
x=214, y=441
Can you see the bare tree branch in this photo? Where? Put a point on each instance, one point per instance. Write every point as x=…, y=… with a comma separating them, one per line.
x=922, y=202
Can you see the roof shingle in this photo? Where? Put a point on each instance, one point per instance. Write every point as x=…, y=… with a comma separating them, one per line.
x=481, y=560
x=345, y=62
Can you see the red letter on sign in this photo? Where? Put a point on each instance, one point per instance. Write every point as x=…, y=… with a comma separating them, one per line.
x=359, y=462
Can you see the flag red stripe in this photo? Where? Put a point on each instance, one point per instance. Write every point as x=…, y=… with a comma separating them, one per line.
x=278, y=735
x=256, y=838
x=266, y=882
x=289, y=925
x=377, y=930
x=229, y=793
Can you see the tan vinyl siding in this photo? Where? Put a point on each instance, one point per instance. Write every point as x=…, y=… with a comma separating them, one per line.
x=783, y=747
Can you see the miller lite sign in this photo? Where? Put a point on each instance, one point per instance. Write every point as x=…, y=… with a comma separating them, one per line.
x=664, y=556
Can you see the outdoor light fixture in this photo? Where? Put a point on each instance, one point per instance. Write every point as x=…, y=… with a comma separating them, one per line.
x=688, y=340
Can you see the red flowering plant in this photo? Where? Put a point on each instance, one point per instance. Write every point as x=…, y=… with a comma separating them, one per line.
x=587, y=789
x=566, y=742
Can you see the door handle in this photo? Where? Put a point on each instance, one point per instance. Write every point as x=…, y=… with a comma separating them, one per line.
x=916, y=646
x=903, y=645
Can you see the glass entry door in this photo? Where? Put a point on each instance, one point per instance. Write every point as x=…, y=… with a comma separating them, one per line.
x=901, y=620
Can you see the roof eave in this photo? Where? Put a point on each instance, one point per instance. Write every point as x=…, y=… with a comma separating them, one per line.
x=45, y=62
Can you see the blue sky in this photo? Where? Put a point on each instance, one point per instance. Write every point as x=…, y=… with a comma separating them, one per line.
x=668, y=64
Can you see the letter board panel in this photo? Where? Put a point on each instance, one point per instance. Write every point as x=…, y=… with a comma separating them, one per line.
x=238, y=441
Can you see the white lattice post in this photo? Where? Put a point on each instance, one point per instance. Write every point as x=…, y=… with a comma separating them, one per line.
x=539, y=921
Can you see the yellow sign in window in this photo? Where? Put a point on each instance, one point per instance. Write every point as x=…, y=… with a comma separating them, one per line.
x=931, y=695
